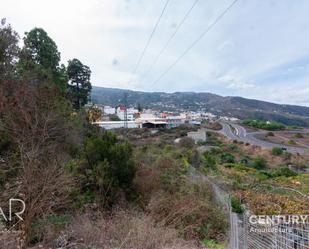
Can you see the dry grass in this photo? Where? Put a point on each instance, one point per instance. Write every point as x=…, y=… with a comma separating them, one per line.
x=176, y=201
x=9, y=240
x=121, y=230
x=194, y=216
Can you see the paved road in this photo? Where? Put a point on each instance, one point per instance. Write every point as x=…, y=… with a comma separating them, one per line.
x=238, y=132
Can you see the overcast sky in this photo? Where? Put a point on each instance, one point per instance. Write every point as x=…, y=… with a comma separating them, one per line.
x=260, y=49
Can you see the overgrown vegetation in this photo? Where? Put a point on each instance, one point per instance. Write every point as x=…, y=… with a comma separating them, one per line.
x=265, y=125
x=236, y=205
x=104, y=169
x=175, y=200
x=277, y=151
x=276, y=177
x=79, y=181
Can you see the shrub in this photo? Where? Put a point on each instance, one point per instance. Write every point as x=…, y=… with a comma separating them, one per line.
x=238, y=167
x=232, y=147
x=213, y=140
x=106, y=167
x=47, y=228
x=291, y=142
x=270, y=134
x=236, y=205
x=201, y=142
x=277, y=151
x=263, y=175
x=215, y=150
x=245, y=160
x=298, y=135
x=168, y=148
x=259, y=163
x=227, y=158
x=209, y=160
x=284, y=171
x=213, y=244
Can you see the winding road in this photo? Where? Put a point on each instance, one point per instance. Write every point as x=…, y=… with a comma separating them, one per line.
x=238, y=132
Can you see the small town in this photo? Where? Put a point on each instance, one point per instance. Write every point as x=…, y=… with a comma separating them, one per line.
x=134, y=118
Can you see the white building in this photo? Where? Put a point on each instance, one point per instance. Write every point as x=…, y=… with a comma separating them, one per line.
x=209, y=115
x=107, y=110
x=198, y=136
x=174, y=121
x=232, y=119
x=131, y=112
x=121, y=115
x=145, y=117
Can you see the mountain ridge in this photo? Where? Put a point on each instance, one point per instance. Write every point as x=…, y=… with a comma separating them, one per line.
x=235, y=106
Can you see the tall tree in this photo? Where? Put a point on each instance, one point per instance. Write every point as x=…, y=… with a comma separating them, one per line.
x=9, y=51
x=40, y=59
x=79, y=82
x=37, y=122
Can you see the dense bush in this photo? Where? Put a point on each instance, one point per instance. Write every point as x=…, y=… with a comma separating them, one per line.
x=212, y=139
x=272, y=126
x=263, y=175
x=106, y=167
x=236, y=205
x=259, y=163
x=270, y=134
x=232, y=147
x=277, y=151
x=298, y=135
x=291, y=142
x=245, y=160
x=284, y=171
x=209, y=160
x=227, y=158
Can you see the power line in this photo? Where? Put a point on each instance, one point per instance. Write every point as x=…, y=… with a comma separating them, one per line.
x=194, y=43
x=170, y=39
x=150, y=37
